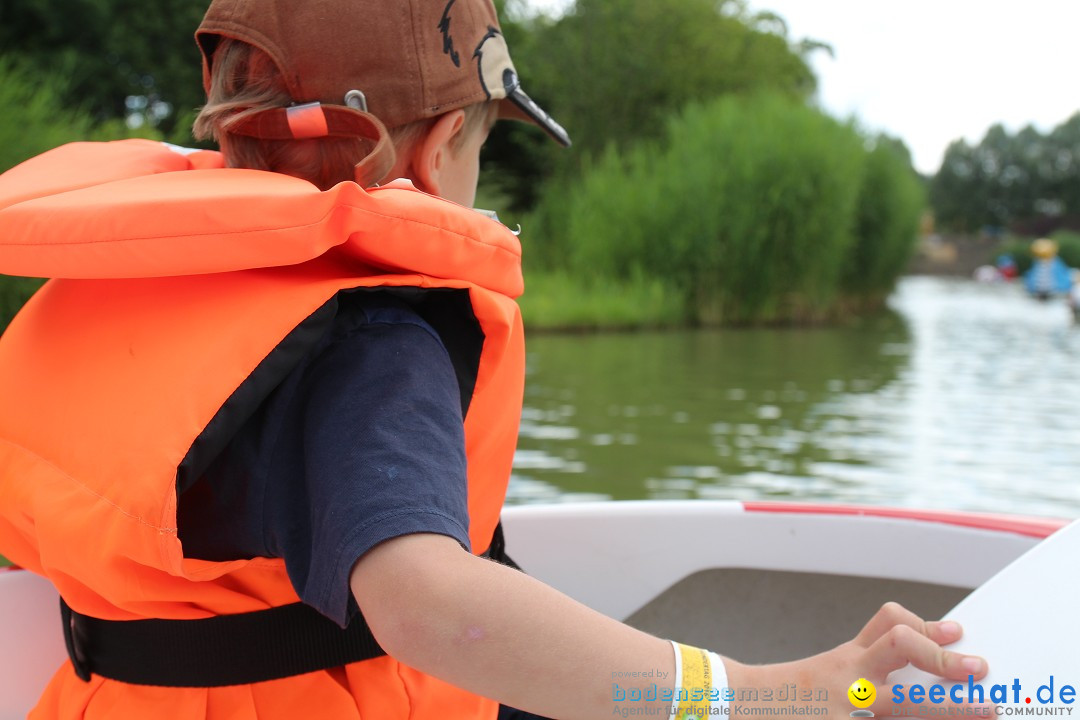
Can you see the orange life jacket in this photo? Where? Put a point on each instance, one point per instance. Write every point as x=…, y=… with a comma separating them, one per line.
x=175, y=283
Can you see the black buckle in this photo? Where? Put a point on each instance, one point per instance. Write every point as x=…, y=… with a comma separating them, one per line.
x=497, y=550
x=78, y=659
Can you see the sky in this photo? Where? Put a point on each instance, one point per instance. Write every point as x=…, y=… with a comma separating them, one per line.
x=934, y=71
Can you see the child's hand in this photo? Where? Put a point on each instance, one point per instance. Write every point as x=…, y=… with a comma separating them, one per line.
x=893, y=638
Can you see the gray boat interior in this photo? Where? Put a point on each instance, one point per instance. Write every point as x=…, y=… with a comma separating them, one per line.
x=761, y=616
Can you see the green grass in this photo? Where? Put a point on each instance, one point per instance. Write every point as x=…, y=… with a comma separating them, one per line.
x=4, y=562
x=556, y=301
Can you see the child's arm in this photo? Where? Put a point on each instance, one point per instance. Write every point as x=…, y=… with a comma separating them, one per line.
x=501, y=634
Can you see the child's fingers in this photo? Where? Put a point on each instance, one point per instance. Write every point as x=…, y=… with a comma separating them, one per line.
x=892, y=614
x=945, y=632
x=889, y=616
x=904, y=644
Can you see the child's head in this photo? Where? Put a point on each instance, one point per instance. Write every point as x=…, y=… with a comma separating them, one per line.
x=437, y=73
x=1044, y=248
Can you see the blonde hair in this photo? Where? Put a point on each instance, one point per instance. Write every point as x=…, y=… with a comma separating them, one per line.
x=244, y=80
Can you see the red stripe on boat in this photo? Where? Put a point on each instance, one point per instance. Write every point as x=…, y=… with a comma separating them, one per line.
x=1030, y=526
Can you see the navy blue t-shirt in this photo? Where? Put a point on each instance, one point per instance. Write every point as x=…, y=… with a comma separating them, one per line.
x=362, y=442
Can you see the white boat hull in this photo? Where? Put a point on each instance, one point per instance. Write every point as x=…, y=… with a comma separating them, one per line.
x=762, y=582
x=758, y=581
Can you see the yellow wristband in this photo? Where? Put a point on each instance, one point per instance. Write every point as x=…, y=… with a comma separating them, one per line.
x=696, y=683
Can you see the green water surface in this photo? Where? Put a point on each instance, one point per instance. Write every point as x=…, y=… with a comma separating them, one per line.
x=963, y=396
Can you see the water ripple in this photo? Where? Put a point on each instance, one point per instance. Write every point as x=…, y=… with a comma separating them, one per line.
x=966, y=397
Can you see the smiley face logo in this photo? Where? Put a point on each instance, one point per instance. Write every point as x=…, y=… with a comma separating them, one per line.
x=862, y=693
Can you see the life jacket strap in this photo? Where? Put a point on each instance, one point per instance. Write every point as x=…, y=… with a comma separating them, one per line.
x=216, y=651
x=226, y=649
x=497, y=550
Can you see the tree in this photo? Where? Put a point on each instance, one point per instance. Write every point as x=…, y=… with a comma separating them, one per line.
x=113, y=50
x=613, y=71
x=1029, y=182
x=1060, y=166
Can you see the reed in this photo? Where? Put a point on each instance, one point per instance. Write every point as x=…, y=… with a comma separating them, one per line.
x=753, y=210
x=891, y=201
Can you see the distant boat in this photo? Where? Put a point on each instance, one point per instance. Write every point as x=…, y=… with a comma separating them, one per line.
x=1048, y=275
x=1047, y=278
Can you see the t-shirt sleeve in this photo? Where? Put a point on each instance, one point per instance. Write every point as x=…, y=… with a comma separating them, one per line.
x=383, y=456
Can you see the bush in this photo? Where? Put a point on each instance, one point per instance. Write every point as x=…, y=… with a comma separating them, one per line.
x=14, y=292
x=890, y=205
x=747, y=210
x=38, y=116
x=1068, y=247
x=35, y=119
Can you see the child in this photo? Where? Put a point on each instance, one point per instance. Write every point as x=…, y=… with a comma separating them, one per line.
x=262, y=408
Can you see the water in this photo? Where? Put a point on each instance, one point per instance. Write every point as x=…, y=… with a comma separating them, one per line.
x=963, y=396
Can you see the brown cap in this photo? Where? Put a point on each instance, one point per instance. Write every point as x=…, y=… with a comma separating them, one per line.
x=400, y=60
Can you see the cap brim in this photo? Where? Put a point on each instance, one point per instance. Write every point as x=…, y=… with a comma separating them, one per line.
x=519, y=106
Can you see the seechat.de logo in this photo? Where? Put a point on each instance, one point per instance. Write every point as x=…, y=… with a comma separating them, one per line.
x=862, y=694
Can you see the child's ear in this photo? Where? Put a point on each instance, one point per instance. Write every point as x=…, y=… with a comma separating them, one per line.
x=430, y=153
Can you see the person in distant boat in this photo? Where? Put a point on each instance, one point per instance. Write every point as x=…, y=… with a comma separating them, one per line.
x=1006, y=266
x=1003, y=270
x=258, y=431
x=1048, y=275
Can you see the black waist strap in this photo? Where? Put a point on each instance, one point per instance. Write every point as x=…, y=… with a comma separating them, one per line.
x=226, y=649
x=217, y=651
